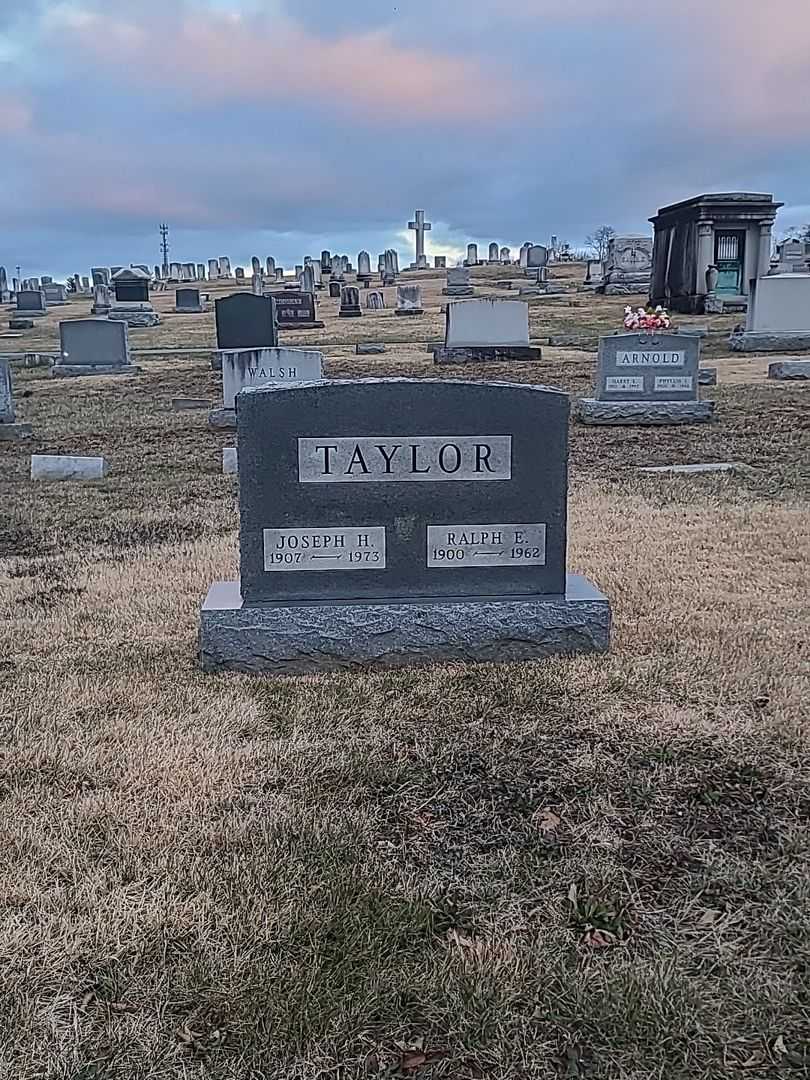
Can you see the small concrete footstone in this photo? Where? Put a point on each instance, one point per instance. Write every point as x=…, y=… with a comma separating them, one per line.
x=67, y=467
x=290, y=639
x=369, y=349
x=67, y=371
x=20, y=324
x=707, y=376
x=784, y=370
x=11, y=432
x=182, y=404
x=709, y=467
x=630, y=413
x=484, y=354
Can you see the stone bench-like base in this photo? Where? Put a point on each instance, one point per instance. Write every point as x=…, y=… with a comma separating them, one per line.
x=222, y=419
x=485, y=354
x=314, y=325
x=789, y=369
x=459, y=290
x=409, y=311
x=707, y=376
x=769, y=341
x=66, y=371
x=591, y=411
x=292, y=639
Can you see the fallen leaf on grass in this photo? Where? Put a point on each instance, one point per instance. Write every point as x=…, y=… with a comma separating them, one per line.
x=546, y=820
x=779, y=1045
x=455, y=938
x=599, y=939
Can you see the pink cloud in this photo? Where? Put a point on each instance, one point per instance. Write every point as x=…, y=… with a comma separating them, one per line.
x=15, y=117
x=214, y=58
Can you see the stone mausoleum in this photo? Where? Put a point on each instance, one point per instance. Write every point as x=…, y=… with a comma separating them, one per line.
x=728, y=235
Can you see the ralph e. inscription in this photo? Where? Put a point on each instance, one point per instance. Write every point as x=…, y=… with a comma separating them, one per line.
x=453, y=546
x=664, y=358
x=325, y=549
x=372, y=459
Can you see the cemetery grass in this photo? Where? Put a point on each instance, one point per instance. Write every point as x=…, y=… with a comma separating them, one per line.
x=578, y=868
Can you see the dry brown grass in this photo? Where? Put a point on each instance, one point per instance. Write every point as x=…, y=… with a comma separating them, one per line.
x=577, y=868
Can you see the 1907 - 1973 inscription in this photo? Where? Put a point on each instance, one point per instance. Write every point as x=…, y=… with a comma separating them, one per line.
x=430, y=458
x=324, y=549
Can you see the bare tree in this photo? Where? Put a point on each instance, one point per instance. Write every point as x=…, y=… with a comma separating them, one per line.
x=599, y=240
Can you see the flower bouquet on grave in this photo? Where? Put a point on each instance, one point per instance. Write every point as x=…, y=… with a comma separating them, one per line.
x=649, y=319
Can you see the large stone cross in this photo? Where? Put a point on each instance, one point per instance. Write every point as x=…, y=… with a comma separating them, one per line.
x=420, y=227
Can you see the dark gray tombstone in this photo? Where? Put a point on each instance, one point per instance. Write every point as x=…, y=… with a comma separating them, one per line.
x=245, y=321
x=647, y=378
x=54, y=294
x=349, y=302
x=188, y=301
x=31, y=303
x=93, y=347
x=334, y=289
x=296, y=311
x=399, y=521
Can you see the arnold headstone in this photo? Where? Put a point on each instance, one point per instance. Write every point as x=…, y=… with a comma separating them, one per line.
x=397, y=521
x=649, y=378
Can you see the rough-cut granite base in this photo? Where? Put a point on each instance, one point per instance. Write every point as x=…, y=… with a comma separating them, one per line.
x=485, y=354
x=301, y=638
x=769, y=341
x=316, y=324
x=135, y=319
x=707, y=376
x=223, y=419
x=10, y=432
x=459, y=290
x=67, y=371
x=591, y=411
x=409, y=311
x=789, y=369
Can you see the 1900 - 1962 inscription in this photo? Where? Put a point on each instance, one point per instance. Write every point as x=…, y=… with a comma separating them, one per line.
x=457, y=546
x=325, y=549
x=404, y=458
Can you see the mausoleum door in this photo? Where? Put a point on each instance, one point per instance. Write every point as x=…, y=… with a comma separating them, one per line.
x=729, y=258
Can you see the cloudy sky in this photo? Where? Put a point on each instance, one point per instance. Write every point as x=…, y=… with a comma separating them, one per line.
x=278, y=127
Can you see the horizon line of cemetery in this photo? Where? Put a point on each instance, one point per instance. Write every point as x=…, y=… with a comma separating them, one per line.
x=392, y=521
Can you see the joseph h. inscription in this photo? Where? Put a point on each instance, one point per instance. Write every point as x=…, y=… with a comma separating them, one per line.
x=359, y=479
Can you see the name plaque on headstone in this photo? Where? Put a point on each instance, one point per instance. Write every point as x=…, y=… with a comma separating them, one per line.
x=649, y=358
x=432, y=458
